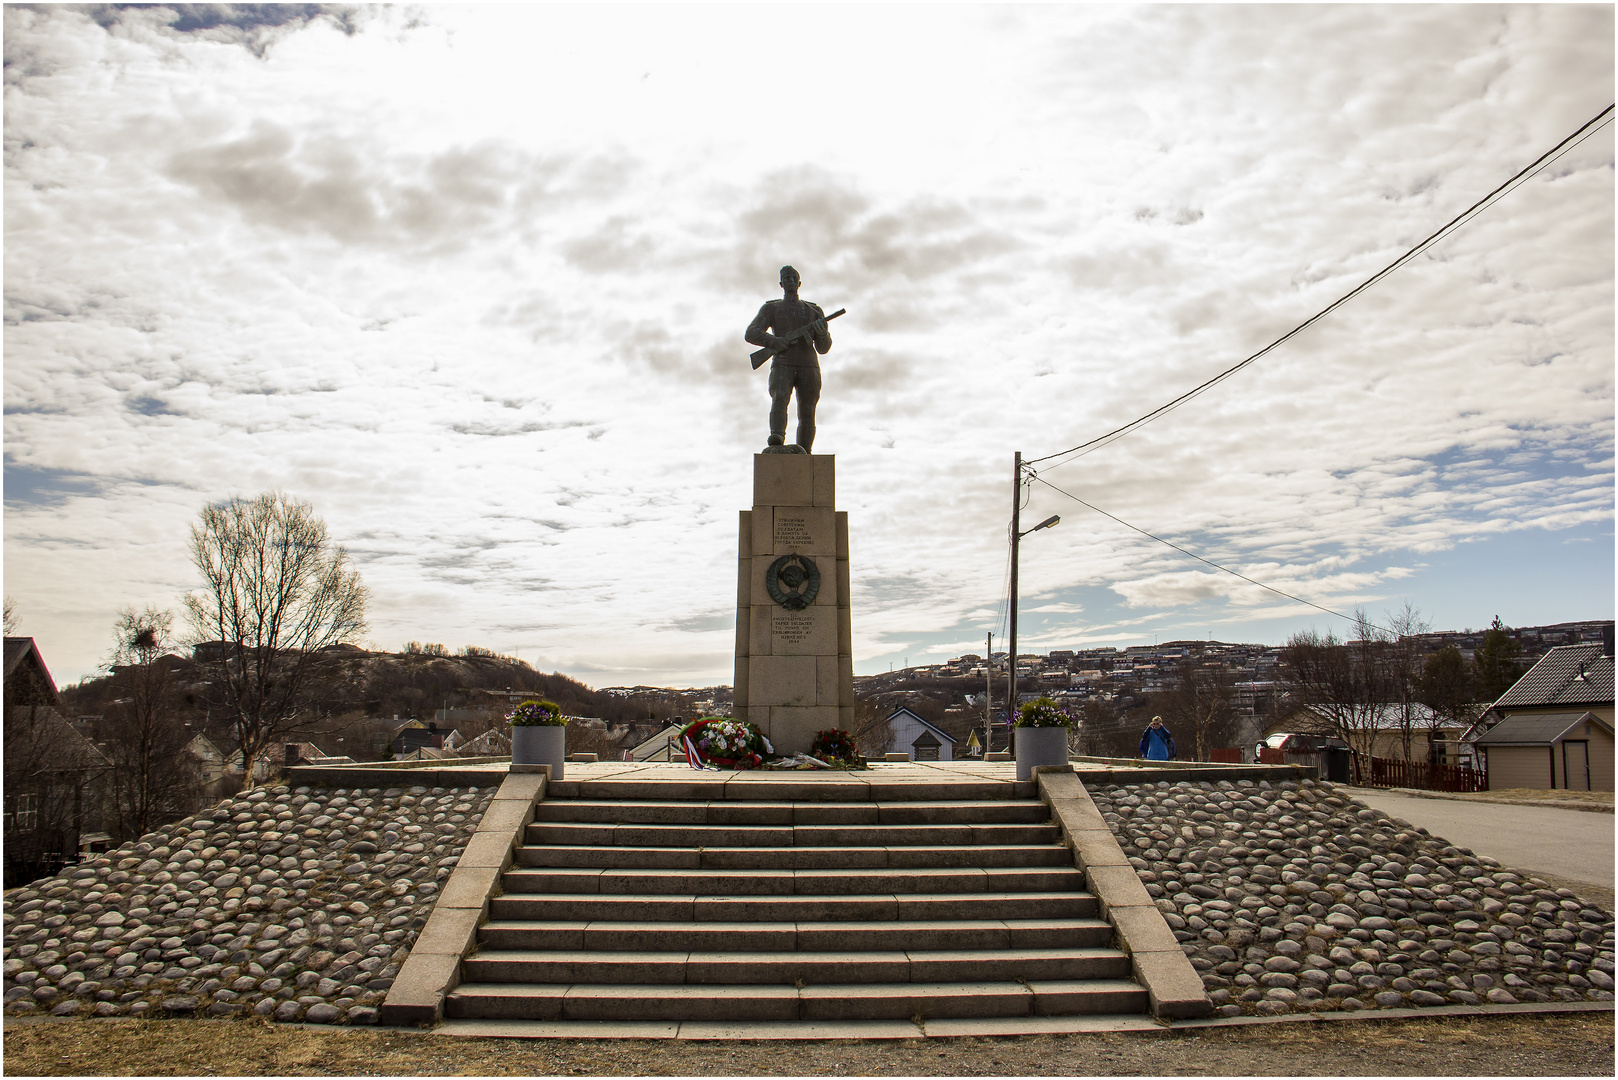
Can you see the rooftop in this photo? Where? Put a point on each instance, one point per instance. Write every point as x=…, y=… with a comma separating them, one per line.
x=1567, y=675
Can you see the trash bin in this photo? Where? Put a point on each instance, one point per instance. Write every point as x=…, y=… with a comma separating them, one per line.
x=1334, y=760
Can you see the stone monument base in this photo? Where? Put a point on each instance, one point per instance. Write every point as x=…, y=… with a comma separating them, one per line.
x=794, y=641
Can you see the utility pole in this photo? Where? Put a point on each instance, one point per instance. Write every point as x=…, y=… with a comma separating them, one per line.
x=988, y=691
x=1016, y=541
x=1016, y=537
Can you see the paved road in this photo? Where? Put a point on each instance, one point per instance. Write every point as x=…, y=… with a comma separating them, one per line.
x=1572, y=844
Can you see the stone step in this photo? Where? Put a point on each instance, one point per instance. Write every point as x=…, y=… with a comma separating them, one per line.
x=897, y=1001
x=792, y=858
x=794, y=908
x=804, y=936
x=856, y=881
x=790, y=968
x=572, y=833
x=670, y=812
x=755, y=787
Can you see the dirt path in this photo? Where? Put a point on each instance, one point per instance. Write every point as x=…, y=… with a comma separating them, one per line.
x=1579, y=1045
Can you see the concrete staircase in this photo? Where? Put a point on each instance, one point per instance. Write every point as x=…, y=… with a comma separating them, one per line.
x=777, y=900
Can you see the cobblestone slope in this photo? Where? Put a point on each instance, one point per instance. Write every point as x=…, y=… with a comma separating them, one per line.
x=1295, y=897
x=293, y=904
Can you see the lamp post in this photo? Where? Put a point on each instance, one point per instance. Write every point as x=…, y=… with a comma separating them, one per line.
x=1016, y=539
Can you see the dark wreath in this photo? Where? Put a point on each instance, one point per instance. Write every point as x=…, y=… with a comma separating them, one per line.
x=793, y=570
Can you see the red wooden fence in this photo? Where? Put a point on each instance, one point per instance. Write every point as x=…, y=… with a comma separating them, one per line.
x=1391, y=772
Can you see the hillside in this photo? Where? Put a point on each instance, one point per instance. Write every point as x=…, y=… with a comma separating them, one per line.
x=355, y=696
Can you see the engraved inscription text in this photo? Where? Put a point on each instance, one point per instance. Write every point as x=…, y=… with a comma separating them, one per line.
x=792, y=532
x=791, y=629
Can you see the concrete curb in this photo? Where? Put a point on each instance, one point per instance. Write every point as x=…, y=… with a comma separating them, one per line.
x=384, y=774
x=1173, y=986
x=1524, y=1008
x=1004, y=1027
x=1450, y=796
x=1136, y=771
x=433, y=968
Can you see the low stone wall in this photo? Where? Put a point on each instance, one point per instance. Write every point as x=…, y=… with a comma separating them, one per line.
x=290, y=903
x=1294, y=897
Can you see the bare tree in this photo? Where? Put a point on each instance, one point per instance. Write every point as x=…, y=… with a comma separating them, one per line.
x=1200, y=708
x=1108, y=731
x=154, y=779
x=1343, y=683
x=11, y=615
x=873, y=735
x=1402, y=660
x=275, y=592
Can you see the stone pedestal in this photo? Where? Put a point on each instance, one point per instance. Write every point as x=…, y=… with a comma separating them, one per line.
x=794, y=659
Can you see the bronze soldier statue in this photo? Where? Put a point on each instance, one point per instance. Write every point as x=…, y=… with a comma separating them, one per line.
x=793, y=331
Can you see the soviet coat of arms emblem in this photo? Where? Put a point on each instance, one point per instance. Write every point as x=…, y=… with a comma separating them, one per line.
x=793, y=581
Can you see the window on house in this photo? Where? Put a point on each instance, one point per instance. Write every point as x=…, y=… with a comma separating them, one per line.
x=24, y=812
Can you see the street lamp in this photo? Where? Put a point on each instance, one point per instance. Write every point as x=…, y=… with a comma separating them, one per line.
x=1016, y=540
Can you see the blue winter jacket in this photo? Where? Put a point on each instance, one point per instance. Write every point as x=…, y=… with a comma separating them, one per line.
x=1156, y=744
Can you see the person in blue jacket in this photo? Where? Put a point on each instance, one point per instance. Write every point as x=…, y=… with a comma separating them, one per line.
x=1156, y=744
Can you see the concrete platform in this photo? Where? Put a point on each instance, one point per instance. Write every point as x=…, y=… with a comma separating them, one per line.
x=950, y=775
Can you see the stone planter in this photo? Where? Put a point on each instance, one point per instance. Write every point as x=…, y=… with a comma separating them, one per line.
x=536, y=744
x=1040, y=746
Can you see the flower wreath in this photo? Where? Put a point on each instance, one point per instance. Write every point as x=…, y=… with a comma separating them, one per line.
x=835, y=744
x=724, y=742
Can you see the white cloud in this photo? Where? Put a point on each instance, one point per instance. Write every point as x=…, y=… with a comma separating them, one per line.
x=473, y=280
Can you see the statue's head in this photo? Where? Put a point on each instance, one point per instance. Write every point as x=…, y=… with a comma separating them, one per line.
x=789, y=278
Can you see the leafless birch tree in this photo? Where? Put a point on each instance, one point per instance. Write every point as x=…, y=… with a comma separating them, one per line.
x=276, y=591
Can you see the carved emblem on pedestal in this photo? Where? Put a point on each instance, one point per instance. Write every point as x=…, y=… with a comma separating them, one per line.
x=793, y=581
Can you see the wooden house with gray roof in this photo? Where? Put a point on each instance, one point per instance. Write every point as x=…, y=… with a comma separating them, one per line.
x=1554, y=727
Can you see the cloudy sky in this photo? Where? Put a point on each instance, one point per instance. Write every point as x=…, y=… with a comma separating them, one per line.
x=473, y=281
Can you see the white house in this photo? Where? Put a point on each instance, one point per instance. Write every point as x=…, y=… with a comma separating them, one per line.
x=922, y=741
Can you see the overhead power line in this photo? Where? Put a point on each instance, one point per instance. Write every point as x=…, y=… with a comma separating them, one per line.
x=1539, y=164
x=1209, y=562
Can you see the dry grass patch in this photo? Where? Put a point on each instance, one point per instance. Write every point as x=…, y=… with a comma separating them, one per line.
x=1514, y=795
x=1540, y=1045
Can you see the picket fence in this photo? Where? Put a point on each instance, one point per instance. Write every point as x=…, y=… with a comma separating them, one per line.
x=1391, y=772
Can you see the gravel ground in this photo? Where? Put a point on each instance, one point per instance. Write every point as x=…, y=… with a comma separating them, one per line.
x=1296, y=897
x=1495, y=1046
x=291, y=904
